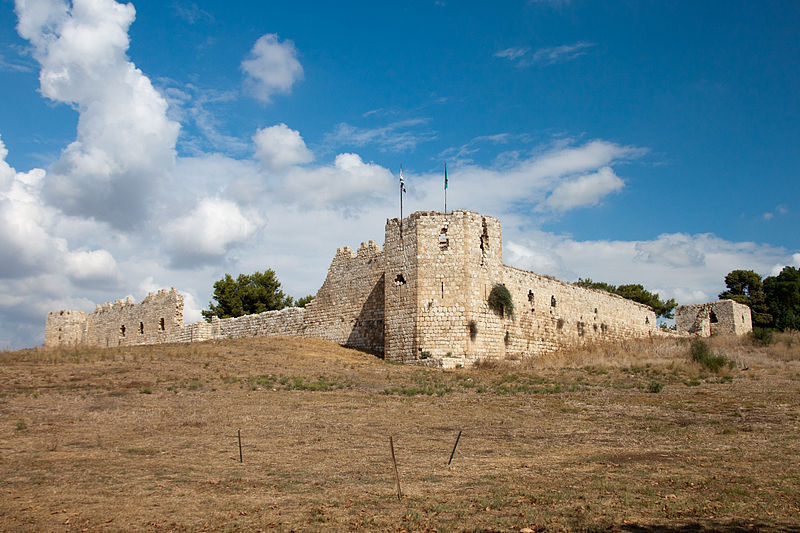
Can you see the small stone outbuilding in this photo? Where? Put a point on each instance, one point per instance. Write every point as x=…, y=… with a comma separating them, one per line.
x=724, y=317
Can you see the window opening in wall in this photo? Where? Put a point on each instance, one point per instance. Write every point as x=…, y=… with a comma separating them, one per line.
x=444, y=243
x=531, y=299
x=484, y=240
x=595, y=310
x=141, y=328
x=122, y=329
x=552, y=301
x=161, y=324
x=647, y=320
x=443, y=289
x=473, y=330
x=399, y=280
x=712, y=316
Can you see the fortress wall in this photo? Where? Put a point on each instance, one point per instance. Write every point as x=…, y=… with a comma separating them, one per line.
x=349, y=307
x=154, y=320
x=65, y=328
x=458, y=259
x=551, y=314
x=284, y=322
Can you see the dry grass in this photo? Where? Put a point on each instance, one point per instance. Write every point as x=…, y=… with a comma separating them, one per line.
x=144, y=439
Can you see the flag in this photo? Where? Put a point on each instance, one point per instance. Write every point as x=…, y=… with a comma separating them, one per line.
x=402, y=182
x=445, y=174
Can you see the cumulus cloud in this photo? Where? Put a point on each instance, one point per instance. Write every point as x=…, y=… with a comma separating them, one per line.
x=345, y=185
x=208, y=231
x=585, y=190
x=125, y=142
x=689, y=268
x=92, y=268
x=279, y=147
x=534, y=178
x=272, y=67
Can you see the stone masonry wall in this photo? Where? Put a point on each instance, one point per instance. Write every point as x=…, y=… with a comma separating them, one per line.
x=349, y=307
x=159, y=319
x=65, y=328
x=724, y=317
x=400, y=289
x=551, y=314
x=454, y=261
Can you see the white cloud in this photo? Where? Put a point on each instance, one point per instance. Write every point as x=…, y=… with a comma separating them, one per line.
x=272, y=67
x=550, y=55
x=560, y=54
x=209, y=230
x=689, y=268
x=125, y=142
x=396, y=136
x=585, y=190
x=513, y=53
x=346, y=185
x=93, y=268
x=279, y=147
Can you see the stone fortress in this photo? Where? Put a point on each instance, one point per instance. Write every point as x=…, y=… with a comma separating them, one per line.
x=422, y=298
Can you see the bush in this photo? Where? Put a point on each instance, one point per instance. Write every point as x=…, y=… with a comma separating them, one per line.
x=701, y=353
x=761, y=336
x=500, y=300
x=655, y=387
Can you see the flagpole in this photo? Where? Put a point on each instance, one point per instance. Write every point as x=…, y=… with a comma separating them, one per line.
x=402, y=188
x=445, y=187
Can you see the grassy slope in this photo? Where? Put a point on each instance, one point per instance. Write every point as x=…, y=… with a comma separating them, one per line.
x=145, y=439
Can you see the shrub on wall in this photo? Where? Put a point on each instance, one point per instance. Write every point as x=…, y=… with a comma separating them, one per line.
x=500, y=300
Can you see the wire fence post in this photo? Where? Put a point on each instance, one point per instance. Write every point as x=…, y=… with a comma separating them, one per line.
x=239, y=433
x=454, y=448
x=396, y=474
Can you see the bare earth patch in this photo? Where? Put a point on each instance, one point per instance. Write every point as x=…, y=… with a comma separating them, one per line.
x=145, y=438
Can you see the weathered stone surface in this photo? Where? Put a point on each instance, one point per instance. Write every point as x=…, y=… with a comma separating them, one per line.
x=423, y=298
x=724, y=317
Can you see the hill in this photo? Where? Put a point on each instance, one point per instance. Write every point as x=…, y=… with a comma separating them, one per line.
x=633, y=438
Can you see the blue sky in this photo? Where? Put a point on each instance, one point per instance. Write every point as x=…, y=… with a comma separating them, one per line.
x=159, y=144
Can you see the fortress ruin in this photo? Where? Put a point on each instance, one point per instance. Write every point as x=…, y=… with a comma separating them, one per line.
x=423, y=297
x=724, y=317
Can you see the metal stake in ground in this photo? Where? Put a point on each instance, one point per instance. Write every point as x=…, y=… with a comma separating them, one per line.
x=454, y=449
x=396, y=474
x=239, y=433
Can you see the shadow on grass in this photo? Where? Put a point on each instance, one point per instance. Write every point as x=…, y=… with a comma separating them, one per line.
x=748, y=527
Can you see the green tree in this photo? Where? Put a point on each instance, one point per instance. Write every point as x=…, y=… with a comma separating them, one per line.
x=745, y=287
x=634, y=292
x=305, y=300
x=247, y=295
x=782, y=294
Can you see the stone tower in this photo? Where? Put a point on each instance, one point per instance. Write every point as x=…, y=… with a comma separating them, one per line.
x=439, y=269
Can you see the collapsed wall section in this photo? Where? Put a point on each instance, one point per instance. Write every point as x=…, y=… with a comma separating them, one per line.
x=349, y=307
x=725, y=317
